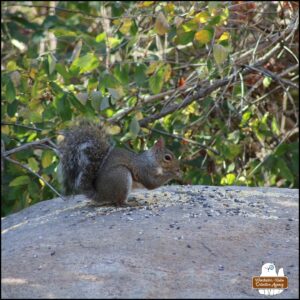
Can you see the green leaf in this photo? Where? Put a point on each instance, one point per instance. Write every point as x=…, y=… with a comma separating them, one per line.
x=184, y=38
x=63, y=107
x=122, y=73
x=140, y=74
x=12, y=108
x=96, y=97
x=109, y=81
x=61, y=69
x=75, y=102
x=215, y=20
x=245, y=118
x=33, y=164
x=134, y=127
x=47, y=157
x=85, y=63
x=275, y=127
x=267, y=81
x=231, y=167
x=21, y=180
x=101, y=37
x=283, y=170
x=51, y=63
x=56, y=89
x=10, y=93
x=156, y=81
x=230, y=178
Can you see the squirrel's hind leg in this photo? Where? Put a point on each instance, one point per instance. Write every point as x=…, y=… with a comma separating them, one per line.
x=114, y=186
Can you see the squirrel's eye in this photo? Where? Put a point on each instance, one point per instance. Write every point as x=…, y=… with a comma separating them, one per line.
x=168, y=157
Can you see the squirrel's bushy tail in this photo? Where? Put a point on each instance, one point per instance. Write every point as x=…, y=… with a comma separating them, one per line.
x=81, y=153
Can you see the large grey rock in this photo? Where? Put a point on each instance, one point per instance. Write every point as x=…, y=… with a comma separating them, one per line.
x=182, y=242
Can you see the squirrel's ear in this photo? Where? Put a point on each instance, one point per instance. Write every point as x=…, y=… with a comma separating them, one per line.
x=160, y=144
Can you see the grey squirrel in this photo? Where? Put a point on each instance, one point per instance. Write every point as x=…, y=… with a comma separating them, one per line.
x=90, y=165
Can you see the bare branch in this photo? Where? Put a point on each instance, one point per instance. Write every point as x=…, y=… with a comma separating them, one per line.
x=185, y=139
x=28, y=145
x=21, y=125
x=36, y=174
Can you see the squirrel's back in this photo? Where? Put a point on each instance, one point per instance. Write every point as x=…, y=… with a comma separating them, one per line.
x=81, y=152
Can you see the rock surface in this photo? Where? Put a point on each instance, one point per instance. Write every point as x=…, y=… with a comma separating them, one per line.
x=181, y=242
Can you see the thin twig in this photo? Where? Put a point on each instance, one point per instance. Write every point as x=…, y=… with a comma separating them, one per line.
x=36, y=174
x=31, y=144
x=20, y=125
x=184, y=139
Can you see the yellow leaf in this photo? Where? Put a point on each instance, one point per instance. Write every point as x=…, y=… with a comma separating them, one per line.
x=126, y=26
x=5, y=129
x=11, y=66
x=47, y=159
x=167, y=73
x=60, y=138
x=113, y=42
x=116, y=22
x=114, y=129
x=32, y=73
x=203, y=36
x=153, y=67
x=225, y=36
x=145, y=3
x=161, y=24
x=188, y=134
x=139, y=115
x=42, y=183
x=170, y=7
x=190, y=109
x=202, y=17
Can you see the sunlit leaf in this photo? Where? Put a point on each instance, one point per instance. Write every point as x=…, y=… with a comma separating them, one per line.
x=156, y=81
x=21, y=180
x=33, y=164
x=113, y=129
x=225, y=36
x=202, y=17
x=100, y=37
x=113, y=42
x=47, y=157
x=125, y=28
x=275, y=127
x=203, y=36
x=153, y=67
x=267, y=81
x=86, y=63
x=145, y=3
